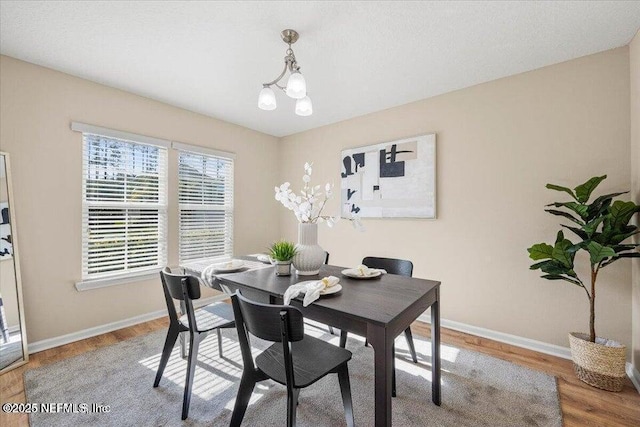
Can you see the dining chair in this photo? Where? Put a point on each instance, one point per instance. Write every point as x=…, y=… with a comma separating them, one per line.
x=294, y=359
x=400, y=267
x=198, y=323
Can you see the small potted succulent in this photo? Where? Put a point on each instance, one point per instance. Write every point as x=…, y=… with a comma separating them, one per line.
x=282, y=253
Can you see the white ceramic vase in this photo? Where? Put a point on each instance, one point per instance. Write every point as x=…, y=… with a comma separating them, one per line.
x=310, y=256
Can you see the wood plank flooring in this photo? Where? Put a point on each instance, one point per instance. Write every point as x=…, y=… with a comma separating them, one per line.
x=581, y=404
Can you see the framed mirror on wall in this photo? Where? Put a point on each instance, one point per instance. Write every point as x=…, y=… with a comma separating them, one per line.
x=13, y=338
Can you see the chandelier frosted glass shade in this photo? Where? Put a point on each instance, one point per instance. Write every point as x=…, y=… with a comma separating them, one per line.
x=304, y=106
x=296, y=86
x=267, y=99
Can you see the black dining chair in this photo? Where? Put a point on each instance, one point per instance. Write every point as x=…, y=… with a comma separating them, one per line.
x=198, y=323
x=295, y=360
x=400, y=267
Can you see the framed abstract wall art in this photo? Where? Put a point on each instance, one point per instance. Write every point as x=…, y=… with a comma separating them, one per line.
x=390, y=180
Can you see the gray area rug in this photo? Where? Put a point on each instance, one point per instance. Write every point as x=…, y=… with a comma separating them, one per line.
x=477, y=390
x=10, y=352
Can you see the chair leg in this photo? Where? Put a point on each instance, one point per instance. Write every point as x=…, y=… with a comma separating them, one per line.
x=331, y=331
x=345, y=390
x=412, y=347
x=247, y=383
x=194, y=343
x=169, y=342
x=393, y=371
x=292, y=405
x=183, y=345
x=219, y=343
x=343, y=338
x=366, y=342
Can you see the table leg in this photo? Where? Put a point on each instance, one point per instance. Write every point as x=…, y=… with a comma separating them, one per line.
x=383, y=349
x=435, y=350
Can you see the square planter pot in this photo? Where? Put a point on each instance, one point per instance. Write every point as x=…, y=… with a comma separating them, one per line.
x=283, y=268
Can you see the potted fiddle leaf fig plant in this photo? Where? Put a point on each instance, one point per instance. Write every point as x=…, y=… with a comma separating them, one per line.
x=601, y=228
x=282, y=253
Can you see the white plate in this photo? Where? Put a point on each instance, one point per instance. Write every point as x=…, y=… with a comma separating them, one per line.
x=228, y=267
x=332, y=290
x=354, y=273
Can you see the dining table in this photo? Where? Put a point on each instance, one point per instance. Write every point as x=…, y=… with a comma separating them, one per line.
x=377, y=308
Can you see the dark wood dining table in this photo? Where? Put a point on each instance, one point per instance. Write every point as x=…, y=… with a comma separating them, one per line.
x=379, y=309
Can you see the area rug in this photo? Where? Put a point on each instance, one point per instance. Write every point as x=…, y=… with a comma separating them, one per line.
x=112, y=386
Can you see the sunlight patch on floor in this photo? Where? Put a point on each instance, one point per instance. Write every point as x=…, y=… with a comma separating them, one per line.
x=212, y=375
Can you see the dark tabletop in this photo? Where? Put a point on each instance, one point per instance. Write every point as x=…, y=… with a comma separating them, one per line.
x=380, y=300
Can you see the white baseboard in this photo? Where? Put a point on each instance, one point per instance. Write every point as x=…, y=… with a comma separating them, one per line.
x=46, y=344
x=634, y=375
x=542, y=347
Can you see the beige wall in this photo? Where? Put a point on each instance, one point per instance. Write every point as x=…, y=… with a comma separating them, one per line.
x=634, y=60
x=498, y=144
x=37, y=106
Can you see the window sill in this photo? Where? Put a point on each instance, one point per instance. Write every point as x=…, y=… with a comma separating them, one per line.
x=121, y=279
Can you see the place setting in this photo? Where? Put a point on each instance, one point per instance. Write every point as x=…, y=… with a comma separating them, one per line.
x=312, y=289
x=210, y=272
x=363, y=272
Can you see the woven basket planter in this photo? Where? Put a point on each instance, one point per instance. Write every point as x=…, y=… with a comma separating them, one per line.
x=597, y=364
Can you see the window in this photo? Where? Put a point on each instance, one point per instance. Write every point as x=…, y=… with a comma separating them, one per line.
x=205, y=196
x=124, y=204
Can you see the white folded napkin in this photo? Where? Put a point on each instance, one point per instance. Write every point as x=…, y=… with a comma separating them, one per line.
x=311, y=290
x=207, y=276
x=363, y=270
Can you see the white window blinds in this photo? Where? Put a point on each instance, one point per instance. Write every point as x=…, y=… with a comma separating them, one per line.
x=124, y=217
x=205, y=195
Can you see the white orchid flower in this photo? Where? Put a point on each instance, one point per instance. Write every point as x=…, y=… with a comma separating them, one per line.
x=308, y=206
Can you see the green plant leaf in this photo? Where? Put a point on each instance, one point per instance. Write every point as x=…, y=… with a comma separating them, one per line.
x=583, y=192
x=578, y=231
x=559, y=277
x=592, y=225
x=626, y=247
x=578, y=208
x=598, y=252
x=619, y=238
x=549, y=266
x=561, y=188
x=540, y=251
x=566, y=215
x=555, y=267
x=620, y=214
x=283, y=250
x=562, y=253
x=538, y=265
x=601, y=204
x=617, y=257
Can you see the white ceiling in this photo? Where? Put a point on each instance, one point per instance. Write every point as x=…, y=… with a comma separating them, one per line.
x=357, y=57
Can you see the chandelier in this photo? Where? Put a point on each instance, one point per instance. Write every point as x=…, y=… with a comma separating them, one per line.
x=296, y=87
